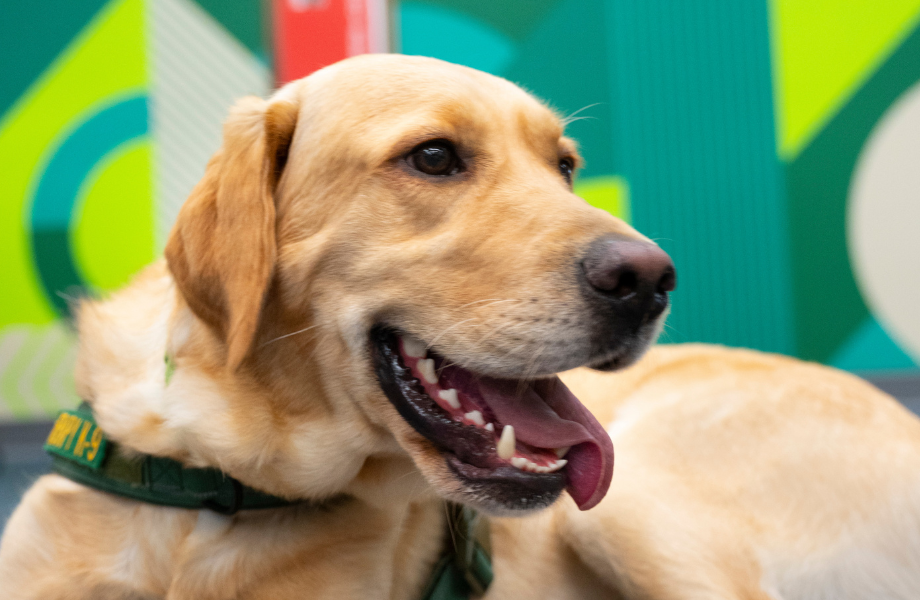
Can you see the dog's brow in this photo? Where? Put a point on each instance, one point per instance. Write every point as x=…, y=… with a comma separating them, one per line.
x=569, y=148
x=408, y=141
x=539, y=125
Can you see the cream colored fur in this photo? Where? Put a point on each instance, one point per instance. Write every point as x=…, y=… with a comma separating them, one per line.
x=739, y=475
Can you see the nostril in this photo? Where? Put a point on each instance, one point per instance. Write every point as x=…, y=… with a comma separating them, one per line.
x=667, y=282
x=629, y=270
x=657, y=306
x=626, y=285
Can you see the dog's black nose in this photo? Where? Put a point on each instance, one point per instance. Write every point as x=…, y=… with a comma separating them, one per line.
x=634, y=275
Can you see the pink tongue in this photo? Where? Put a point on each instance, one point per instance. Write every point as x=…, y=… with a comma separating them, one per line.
x=545, y=414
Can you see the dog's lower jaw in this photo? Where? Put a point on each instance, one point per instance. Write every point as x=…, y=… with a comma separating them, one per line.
x=489, y=492
x=467, y=423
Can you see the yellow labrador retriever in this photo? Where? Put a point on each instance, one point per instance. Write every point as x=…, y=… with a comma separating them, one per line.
x=364, y=306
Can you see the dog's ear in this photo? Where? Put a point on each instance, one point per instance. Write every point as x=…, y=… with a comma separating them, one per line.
x=222, y=248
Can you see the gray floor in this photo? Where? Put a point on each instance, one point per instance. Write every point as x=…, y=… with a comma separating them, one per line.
x=905, y=389
x=22, y=460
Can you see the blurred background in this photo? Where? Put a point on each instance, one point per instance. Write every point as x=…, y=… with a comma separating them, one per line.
x=772, y=147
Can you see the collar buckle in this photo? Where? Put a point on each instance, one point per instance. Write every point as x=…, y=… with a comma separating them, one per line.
x=236, y=500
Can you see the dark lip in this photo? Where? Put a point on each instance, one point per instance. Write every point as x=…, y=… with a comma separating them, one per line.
x=470, y=444
x=511, y=488
x=623, y=353
x=468, y=451
x=620, y=359
x=611, y=363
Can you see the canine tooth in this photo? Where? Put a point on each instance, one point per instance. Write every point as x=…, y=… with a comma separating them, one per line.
x=426, y=368
x=475, y=417
x=560, y=452
x=490, y=427
x=506, y=444
x=520, y=462
x=559, y=464
x=414, y=347
x=450, y=396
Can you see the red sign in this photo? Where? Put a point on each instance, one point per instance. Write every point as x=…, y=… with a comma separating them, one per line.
x=310, y=34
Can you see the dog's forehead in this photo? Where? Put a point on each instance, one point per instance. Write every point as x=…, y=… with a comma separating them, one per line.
x=389, y=89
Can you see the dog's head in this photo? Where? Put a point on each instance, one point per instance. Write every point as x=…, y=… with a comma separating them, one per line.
x=409, y=226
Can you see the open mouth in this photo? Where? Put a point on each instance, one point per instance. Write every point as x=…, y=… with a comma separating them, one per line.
x=517, y=442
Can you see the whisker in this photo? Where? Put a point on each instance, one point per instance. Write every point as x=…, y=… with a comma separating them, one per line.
x=666, y=332
x=568, y=119
x=316, y=347
x=495, y=330
x=530, y=370
x=450, y=526
x=444, y=366
x=516, y=350
x=491, y=300
x=440, y=335
x=281, y=337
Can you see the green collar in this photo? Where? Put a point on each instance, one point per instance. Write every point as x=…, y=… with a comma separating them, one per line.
x=82, y=453
x=465, y=570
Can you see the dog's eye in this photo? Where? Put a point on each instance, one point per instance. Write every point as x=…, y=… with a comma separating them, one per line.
x=437, y=157
x=567, y=167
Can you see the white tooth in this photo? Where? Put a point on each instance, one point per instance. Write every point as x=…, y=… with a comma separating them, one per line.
x=560, y=452
x=519, y=462
x=532, y=466
x=490, y=427
x=450, y=396
x=426, y=368
x=414, y=347
x=475, y=417
x=542, y=469
x=507, y=443
x=559, y=464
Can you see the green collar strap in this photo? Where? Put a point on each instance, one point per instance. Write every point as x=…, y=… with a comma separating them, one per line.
x=82, y=453
x=465, y=570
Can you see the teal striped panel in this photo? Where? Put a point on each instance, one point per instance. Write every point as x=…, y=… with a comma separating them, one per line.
x=692, y=83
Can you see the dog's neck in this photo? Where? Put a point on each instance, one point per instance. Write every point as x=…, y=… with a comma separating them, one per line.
x=270, y=425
